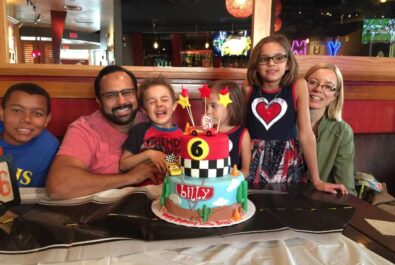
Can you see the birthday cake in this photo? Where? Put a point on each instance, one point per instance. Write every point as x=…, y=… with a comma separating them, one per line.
x=208, y=190
x=202, y=188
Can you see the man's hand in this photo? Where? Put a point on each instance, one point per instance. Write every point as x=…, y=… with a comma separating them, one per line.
x=141, y=172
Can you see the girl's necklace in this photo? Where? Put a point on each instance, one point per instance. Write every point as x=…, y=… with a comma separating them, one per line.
x=261, y=93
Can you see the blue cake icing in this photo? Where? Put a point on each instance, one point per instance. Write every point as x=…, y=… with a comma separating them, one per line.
x=195, y=193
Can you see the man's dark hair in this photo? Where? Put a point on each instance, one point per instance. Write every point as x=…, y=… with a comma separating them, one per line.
x=109, y=70
x=29, y=88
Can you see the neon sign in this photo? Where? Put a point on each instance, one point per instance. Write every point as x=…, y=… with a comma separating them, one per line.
x=299, y=47
x=333, y=47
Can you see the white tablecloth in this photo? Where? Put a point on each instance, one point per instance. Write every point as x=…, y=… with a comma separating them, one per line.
x=281, y=247
x=284, y=247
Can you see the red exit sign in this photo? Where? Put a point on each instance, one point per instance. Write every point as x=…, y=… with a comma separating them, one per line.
x=73, y=35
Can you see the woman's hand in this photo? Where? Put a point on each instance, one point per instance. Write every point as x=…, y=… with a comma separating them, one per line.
x=330, y=187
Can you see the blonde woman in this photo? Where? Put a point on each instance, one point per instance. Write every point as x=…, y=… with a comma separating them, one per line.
x=335, y=138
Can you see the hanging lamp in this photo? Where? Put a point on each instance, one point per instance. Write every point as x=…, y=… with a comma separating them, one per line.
x=239, y=8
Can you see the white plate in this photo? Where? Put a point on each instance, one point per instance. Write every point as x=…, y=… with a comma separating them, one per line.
x=107, y=196
x=158, y=211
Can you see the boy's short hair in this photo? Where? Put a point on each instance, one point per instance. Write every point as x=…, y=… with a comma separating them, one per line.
x=155, y=81
x=29, y=88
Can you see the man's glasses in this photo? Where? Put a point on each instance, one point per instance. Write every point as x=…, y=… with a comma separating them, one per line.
x=277, y=58
x=113, y=95
x=327, y=87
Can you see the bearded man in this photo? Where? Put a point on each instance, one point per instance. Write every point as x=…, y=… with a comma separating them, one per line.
x=88, y=158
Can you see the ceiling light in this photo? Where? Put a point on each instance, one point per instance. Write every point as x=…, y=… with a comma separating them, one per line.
x=37, y=19
x=83, y=21
x=383, y=1
x=72, y=8
x=156, y=45
x=239, y=8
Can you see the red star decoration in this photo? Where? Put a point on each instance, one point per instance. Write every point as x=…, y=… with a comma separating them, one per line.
x=224, y=91
x=205, y=91
x=184, y=92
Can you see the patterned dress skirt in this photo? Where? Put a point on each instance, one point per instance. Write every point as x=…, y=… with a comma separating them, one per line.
x=277, y=161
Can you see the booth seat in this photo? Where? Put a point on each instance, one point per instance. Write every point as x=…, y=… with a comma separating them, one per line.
x=369, y=100
x=375, y=149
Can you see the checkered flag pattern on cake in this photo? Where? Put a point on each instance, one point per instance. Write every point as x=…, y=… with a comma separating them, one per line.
x=206, y=168
x=171, y=158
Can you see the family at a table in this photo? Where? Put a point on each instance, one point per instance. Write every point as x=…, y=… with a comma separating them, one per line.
x=283, y=128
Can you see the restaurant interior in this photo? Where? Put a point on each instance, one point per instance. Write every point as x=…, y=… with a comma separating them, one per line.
x=63, y=44
x=148, y=33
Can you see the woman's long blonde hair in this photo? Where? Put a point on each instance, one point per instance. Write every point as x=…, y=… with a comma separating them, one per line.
x=335, y=108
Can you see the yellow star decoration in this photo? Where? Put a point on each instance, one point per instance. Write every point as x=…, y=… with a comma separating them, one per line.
x=183, y=101
x=224, y=100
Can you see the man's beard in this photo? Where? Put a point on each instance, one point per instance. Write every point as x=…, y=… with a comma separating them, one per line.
x=116, y=120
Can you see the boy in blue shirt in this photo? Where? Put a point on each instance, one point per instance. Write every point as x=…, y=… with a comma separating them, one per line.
x=25, y=113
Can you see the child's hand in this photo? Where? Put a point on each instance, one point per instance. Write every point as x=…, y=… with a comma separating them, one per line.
x=158, y=158
x=331, y=187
